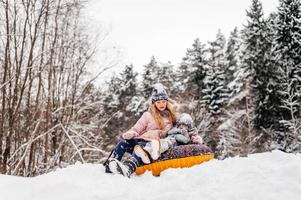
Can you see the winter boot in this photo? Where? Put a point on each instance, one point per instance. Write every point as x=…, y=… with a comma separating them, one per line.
x=132, y=165
x=117, y=167
x=127, y=168
x=165, y=144
x=141, y=153
x=153, y=148
x=107, y=168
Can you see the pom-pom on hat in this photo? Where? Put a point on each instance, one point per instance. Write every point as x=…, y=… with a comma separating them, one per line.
x=159, y=93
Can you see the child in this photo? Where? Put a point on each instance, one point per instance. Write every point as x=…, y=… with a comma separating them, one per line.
x=182, y=133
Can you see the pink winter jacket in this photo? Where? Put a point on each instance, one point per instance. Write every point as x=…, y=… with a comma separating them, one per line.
x=147, y=129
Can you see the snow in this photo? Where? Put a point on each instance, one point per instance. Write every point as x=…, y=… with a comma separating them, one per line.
x=273, y=175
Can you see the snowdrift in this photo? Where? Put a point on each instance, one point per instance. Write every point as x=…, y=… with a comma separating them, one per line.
x=269, y=176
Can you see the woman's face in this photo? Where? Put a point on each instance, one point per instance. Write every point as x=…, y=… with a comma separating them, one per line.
x=161, y=105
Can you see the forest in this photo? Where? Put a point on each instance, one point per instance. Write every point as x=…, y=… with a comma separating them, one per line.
x=243, y=91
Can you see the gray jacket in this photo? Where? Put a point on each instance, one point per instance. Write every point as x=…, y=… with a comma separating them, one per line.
x=181, y=136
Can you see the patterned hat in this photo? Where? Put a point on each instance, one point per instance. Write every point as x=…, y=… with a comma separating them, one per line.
x=159, y=93
x=185, y=119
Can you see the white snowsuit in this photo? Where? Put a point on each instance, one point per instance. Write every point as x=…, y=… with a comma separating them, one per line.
x=175, y=136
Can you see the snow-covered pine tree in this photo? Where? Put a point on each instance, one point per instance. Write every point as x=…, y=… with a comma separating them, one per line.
x=191, y=72
x=256, y=50
x=229, y=143
x=149, y=76
x=245, y=95
x=110, y=112
x=127, y=97
x=128, y=87
x=120, y=104
x=287, y=51
x=232, y=55
x=111, y=98
x=292, y=138
x=215, y=92
x=130, y=94
x=166, y=76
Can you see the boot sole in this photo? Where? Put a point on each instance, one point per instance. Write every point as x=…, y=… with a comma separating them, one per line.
x=142, y=154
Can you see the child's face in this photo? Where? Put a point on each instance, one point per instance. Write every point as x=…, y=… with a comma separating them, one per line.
x=183, y=126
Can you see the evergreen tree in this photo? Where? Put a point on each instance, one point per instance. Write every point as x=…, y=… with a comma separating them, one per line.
x=128, y=87
x=192, y=70
x=256, y=50
x=149, y=76
x=229, y=142
x=250, y=92
x=110, y=112
x=166, y=76
x=287, y=51
x=215, y=95
x=111, y=100
x=232, y=55
x=291, y=140
x=119, y=103
x=215, y=92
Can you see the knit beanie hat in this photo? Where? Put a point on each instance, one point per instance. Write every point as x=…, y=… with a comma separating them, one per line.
x=185, y=119
x=159, y=93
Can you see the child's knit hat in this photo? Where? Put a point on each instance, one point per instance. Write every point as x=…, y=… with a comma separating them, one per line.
x=185, y=119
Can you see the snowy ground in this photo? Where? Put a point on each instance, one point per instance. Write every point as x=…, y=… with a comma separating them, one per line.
x=264, y=176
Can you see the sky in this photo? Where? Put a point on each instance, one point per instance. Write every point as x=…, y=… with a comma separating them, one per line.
x=138, y=29
x=266, y=176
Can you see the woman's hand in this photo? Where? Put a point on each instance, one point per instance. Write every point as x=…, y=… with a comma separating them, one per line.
x=161, y=134
x=128, y=135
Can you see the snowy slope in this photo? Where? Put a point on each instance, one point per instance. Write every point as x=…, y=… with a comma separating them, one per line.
x=265, y=176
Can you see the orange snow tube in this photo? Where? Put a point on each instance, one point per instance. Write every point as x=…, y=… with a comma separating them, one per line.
x=180, y=157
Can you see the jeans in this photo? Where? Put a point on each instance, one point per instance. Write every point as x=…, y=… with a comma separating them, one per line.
x=124, y=146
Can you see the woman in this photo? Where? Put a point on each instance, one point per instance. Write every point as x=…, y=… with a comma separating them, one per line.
x=153, y=124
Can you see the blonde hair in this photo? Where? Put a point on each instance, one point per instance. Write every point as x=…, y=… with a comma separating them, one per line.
x=158, y=118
